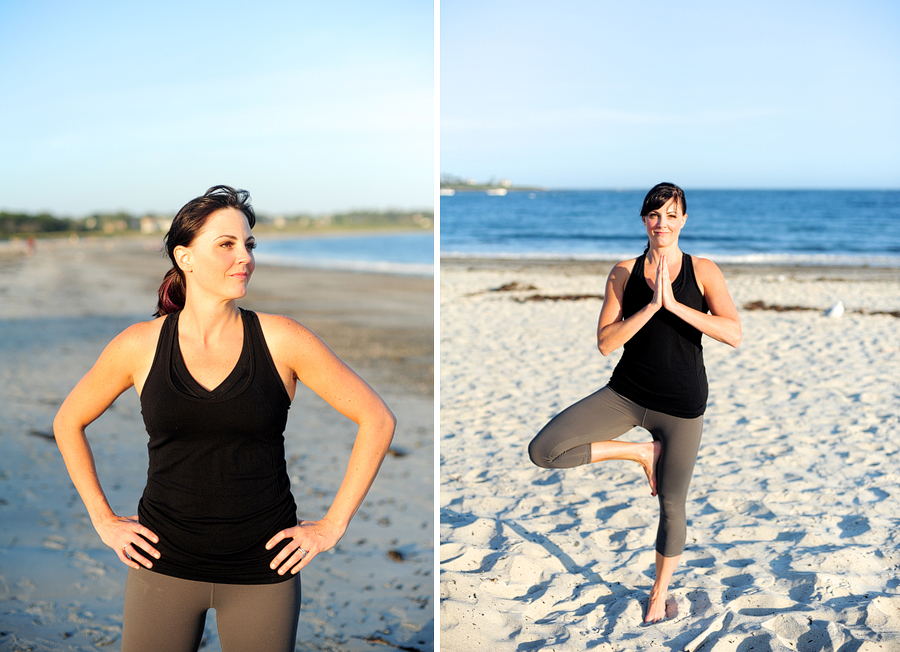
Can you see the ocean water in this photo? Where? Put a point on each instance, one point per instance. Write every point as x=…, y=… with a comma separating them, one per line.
x=393, y=253
x=808, y=227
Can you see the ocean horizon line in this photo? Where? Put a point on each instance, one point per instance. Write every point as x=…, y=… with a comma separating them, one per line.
x=525, y=188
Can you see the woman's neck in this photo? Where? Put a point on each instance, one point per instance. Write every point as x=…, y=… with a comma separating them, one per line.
x=672, y=253
x=206, y=321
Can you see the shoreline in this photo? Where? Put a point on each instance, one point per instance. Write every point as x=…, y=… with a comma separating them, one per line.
x=606, y=263
x=602, y=267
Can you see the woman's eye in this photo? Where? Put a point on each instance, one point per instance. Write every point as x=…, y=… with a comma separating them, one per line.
x=251, y=246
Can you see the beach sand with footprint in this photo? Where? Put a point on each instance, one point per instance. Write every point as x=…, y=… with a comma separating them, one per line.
x=793, y=510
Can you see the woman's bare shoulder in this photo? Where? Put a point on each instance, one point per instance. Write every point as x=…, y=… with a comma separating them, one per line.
x=621, y=271
x=279, y=329
x=705, y=268
x=130, y=354
x=139, y=337
x=279, y=322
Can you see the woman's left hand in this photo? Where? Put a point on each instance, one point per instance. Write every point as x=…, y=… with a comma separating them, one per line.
x=308, y=539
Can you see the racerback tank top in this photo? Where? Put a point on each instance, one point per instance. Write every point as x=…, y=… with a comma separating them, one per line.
x=217, y=483
x=661, y=368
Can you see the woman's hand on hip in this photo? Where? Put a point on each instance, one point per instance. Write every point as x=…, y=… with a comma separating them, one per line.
x=307, y=539
x=129, y=539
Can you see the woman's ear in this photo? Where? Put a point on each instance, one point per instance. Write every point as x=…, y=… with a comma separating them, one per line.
x=184, y=258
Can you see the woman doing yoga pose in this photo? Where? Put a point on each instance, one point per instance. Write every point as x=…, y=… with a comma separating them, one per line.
x=657, y=306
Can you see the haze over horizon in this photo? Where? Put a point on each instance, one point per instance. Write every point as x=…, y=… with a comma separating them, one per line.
x=312, y=108
x=769, y=95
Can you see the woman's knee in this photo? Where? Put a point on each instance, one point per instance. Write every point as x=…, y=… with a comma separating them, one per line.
x=539, y=453
x=672, y=506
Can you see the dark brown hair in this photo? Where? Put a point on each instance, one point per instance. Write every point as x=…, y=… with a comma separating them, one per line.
x=658, y=196
x=188, y=222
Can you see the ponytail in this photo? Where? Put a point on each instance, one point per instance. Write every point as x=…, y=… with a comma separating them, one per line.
x=171, y=293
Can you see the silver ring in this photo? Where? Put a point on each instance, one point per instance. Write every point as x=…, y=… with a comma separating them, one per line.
x=305, y=552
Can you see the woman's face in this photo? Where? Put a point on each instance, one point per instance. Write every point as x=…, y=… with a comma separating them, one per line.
x=220, y=259
x=665, y=223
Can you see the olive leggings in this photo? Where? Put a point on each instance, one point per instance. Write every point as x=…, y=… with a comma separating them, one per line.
x=566, y=442
x=168, y=613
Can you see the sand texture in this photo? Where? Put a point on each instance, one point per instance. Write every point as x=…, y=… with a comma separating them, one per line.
x=793, y=514
x=62, y=589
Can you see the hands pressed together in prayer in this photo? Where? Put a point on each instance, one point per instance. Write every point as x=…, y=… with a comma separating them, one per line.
x=663, y=296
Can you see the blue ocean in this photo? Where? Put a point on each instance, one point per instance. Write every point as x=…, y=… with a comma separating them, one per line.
x=392, y=253
x=806, y=227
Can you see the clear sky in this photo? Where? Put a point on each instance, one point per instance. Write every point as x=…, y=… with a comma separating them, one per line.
x=612, y=94
x=311, y=106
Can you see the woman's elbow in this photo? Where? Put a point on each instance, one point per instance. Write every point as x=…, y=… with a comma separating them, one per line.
x=63, y=424
x=387, y=423
x=603, y=345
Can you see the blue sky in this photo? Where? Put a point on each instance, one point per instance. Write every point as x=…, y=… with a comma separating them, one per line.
x=582, y=94
x=142, y=106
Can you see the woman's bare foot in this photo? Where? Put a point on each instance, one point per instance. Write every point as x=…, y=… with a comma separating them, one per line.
x=656, y=607
x=649, y=462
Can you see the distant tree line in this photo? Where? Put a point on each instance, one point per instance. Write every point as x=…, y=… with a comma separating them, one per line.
x=26, y=224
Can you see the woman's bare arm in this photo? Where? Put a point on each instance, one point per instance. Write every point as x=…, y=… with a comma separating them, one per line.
x=612, y=330
x=111, y=375
x=722, y=323
x=317, y=367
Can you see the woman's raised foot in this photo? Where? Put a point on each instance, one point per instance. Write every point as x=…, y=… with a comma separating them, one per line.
x=649, y=463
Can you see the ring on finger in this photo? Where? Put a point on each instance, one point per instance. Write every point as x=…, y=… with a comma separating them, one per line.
x=303, y=553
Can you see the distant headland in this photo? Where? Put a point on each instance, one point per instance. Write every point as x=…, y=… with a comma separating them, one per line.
x=451, y=184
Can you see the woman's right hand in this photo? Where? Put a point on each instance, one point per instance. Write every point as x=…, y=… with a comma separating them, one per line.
x=129, y=539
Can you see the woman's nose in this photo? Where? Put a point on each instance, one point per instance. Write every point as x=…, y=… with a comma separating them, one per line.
x=244, y=254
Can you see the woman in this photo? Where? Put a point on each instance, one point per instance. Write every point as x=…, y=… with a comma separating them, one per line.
x=657, y=306
x=217, y=524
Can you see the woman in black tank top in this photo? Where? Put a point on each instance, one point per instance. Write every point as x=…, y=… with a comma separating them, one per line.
x=215, y=384
x=657, y=307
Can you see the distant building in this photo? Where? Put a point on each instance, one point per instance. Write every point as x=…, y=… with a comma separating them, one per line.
x=155, y=223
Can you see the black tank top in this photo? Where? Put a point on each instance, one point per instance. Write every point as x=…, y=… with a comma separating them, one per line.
x=662, y=366
x=217, y=485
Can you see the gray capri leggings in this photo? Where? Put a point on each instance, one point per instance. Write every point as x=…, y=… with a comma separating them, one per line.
x=566, y=442
x=168, y=613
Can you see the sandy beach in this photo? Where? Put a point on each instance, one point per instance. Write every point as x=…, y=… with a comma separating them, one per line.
x=62, y=589
x=793, y=511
